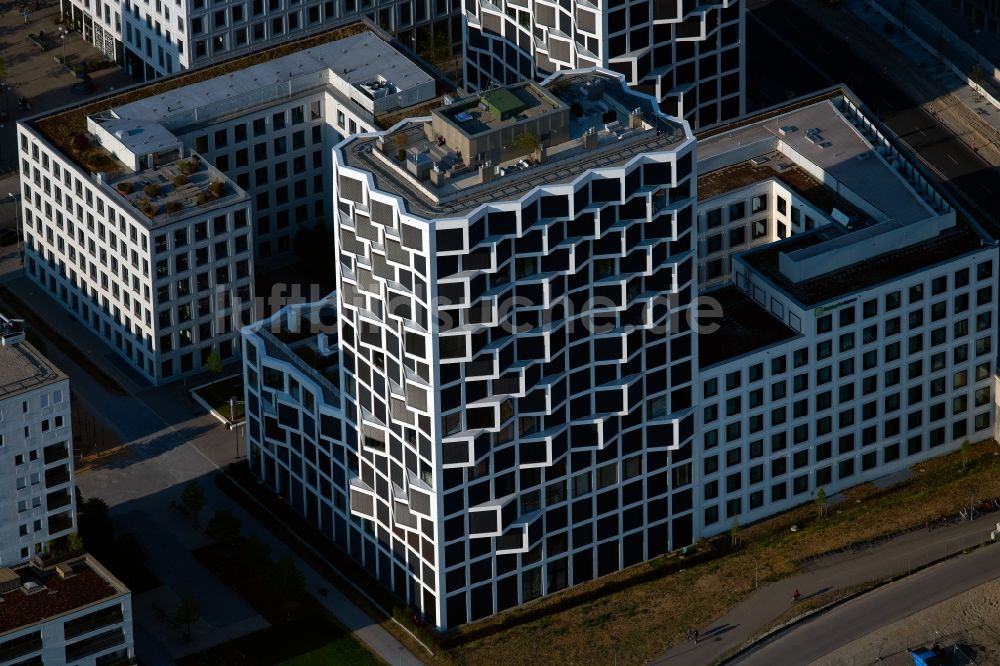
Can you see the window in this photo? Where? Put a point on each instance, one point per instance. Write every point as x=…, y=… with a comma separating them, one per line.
x=607, y=475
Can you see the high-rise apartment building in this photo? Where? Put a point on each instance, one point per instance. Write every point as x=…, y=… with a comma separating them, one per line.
x=144, y=216
x=689, y=57
x=504, y=396
x=498, y=406
x=36, y=466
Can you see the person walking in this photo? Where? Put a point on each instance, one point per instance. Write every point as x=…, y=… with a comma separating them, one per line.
x=796, y=595
x=694, y=632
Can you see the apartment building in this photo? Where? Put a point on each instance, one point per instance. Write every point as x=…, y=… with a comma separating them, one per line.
x=690, y=56
x=467, y=468
x=36, y=467
x=487, y=411
x=145, y=223
x=858, y=330
x=74, y=613
x=156, y=38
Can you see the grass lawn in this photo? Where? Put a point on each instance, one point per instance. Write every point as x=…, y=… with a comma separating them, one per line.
x=635, y=615
x=638, y=623
x=302, y=631
x=217, y=395
x=308, y=642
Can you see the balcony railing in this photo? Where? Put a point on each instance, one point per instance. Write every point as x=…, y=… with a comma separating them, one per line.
x=89, y=646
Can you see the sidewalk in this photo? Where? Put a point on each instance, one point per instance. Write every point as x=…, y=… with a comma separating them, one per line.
x=169, y=440
x=836, y=572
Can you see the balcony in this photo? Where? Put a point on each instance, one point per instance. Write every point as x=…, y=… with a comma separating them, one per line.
x=98, y=643
x=96, y=620
x=55, y=453
x=60, y=523
x=57, y=476
x=18, y=647
x=58, y=500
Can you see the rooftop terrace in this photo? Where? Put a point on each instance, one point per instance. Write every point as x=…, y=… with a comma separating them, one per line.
x=52, y=595
x=22, y=368
x=950, y=244
x=588, y=118
x=175, y=189
x=744, y=327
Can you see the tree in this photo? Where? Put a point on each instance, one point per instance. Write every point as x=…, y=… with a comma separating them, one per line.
x=966, y=453
x=287, y=580
x=75, y=543
x=734, y=532
x=213, y=364
x=193, y=498
x=976, y=76
x=820, y=502
x=526, y=143
x=95, y=526
x=255, y=555
x=188, y=612
x=401, y=141
x=224, y=526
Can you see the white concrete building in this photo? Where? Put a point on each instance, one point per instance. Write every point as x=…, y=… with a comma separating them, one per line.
x=690, y=56
x=37, y=503
x=859, y=332
x=152, y=39
x=473, y=452
x=468, y=469
x=145, y=223
x=74, y=613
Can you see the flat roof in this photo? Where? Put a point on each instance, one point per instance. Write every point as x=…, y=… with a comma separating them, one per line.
x=171, y=198
x=777, y=166
x=89, y=584
x=952, y=243
x=822, y=135
x=356, y=59
x=23, y=368
x=744, y=327
x=61, y=127
x=564, y=162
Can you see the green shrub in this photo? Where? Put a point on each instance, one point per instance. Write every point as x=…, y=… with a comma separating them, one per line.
x=180, y=180
x=151, y=190
x=173, y=206
x=125, y=187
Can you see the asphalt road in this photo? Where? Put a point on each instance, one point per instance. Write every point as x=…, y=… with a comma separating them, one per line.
x=855, y=619
x=792, y=53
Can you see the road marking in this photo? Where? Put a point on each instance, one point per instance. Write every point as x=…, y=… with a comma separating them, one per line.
x=952, y=159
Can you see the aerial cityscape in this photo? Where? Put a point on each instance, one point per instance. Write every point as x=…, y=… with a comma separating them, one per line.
x=523, y=332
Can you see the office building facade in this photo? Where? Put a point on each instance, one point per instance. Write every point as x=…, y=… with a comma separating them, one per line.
x=155, y=39
x=147, y=223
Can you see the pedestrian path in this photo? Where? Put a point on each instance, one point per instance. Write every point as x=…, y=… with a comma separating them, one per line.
x=823, y=576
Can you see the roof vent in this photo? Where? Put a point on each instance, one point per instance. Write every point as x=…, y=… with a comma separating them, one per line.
x=11, y=331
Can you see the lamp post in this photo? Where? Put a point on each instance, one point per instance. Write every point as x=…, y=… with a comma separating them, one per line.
x=17, y=222
x=62, y=38
x=236, y=426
